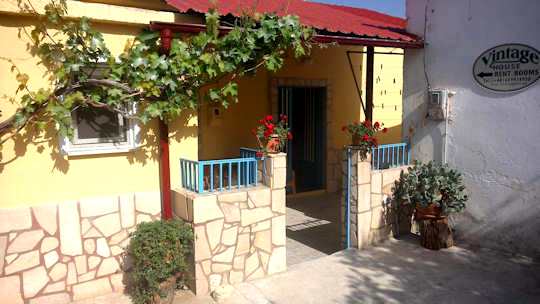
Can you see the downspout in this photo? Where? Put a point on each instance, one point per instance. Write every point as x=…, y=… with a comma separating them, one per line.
x=164, y=160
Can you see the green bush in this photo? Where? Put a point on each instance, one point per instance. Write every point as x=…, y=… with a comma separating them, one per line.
x=424, y=184
x=158, y=251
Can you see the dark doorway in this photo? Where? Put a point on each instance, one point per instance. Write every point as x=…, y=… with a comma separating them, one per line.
x=306, y=152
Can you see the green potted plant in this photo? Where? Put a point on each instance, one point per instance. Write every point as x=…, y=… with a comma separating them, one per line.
x=158, y=252
x=363, y=135
x=435, y=191
x=272, y=135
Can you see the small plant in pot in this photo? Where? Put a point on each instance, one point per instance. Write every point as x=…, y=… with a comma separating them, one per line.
x=363, y=135
x=158, y=254
x=435, y=191
x=272, y=135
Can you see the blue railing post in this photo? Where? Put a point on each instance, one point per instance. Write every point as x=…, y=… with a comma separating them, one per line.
x=256, y=177
x=201, y=178
x=229, y=183
x=220, y=177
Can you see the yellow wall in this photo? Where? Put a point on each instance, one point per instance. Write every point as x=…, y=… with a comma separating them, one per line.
x=221, y=137
x=33, y=172
x=387, y=93
x=31, y=169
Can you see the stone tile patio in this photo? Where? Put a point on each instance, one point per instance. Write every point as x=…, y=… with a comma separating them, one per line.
x=312, y=226
x=400, y=272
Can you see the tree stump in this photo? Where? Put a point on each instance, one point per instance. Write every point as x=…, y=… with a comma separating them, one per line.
x=435, y=233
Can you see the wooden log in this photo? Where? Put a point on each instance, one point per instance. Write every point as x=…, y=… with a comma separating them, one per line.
x=435, y=234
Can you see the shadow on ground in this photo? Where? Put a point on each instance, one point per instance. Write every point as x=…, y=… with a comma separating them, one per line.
x=312, y=227
x=403, y=272
x=400, y=271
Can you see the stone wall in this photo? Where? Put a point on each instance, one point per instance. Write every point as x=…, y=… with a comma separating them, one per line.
x=372, y=215
x=240, y=234
x=59, y=253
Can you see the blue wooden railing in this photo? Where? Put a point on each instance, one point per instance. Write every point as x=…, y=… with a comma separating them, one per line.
x=248, y=152
x=388, y=156
x=220, y=174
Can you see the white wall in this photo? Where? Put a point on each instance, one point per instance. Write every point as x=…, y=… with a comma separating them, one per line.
x=493, y=138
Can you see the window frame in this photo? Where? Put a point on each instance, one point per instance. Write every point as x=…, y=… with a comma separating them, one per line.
x=131, y=141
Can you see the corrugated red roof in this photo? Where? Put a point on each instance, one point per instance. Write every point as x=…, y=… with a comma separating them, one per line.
x=331, y=18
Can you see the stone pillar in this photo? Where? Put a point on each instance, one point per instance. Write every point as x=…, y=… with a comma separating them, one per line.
x=360, y=199
x=276, y=180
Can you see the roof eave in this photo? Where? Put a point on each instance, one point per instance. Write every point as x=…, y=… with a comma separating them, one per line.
x=370, y=41
x=322, y=38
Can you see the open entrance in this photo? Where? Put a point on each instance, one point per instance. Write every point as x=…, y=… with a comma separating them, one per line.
x=312, y=213
x=306, y=152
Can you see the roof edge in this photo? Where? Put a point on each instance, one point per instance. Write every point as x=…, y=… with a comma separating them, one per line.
x=343, y=40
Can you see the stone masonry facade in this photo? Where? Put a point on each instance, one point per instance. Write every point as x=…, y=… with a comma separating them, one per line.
x=239, y=234
x=372, y=214
x=59, y=253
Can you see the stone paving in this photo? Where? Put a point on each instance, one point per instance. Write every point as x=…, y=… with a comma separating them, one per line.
x=397, y=271
x=400, y=272
x=312, y=226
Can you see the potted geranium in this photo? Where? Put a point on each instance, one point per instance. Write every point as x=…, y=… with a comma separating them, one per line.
x=363, y=135
x=435, y=191
x=158, y=254
x=272, y=135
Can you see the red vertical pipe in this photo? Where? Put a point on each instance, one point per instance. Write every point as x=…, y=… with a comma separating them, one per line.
x=164, y=159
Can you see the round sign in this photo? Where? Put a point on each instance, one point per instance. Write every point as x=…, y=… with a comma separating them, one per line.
x=507, y=67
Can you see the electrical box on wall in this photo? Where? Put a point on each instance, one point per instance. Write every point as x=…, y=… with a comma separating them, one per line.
x=437, y=104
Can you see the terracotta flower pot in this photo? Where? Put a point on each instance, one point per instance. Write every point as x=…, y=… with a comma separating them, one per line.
x=356, y=140
x=435, y=233
x=429, y=212
x=167, y=289
x=273, y=144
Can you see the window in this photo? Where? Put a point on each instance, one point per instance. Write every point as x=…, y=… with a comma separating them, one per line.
x=100, y=130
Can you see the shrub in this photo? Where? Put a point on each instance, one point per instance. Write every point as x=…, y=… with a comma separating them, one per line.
x=424, y=184
x=158, y=251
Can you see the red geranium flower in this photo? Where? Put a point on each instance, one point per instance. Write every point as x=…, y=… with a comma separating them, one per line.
x=259, y=154
x=269, y=118
x=376, y=125
x=367, y=123
x=365, y=137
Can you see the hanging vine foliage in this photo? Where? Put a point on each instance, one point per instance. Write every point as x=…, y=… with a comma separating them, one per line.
x=160, y=86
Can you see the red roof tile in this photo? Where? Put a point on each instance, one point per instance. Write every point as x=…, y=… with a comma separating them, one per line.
x=331, y=18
